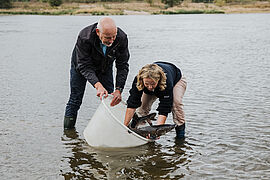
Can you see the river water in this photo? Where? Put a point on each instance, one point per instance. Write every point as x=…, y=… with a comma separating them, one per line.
x=225, y=58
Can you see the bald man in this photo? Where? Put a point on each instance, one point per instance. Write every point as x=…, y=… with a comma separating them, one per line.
x=97, y=47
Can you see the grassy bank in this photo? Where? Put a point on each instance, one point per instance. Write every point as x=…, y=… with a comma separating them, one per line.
x=136, y=7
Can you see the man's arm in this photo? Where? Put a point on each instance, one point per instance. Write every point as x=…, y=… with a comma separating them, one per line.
x=86, y=67
x=121, y=63
x=84, y=60
x=122, y=66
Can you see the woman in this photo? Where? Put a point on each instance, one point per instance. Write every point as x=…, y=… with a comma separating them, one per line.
x=161, y=80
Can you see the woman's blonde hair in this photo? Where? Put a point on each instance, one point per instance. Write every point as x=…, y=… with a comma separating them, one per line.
x=152, y=71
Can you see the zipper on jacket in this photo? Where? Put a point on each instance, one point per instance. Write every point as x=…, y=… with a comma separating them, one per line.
x=112, y=49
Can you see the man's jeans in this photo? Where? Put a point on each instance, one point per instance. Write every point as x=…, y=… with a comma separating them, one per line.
x=77, y=88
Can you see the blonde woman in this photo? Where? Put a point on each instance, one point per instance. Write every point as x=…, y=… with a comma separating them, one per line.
x=160, y=80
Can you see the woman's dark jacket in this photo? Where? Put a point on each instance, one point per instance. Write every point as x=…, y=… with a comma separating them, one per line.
x=89, y=59
x=173, y=75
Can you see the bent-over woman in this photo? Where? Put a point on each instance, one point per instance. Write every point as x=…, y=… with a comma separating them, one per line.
x=160, y=80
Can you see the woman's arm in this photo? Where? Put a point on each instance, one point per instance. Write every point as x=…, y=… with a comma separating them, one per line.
x=129, y=114
x=161, y=119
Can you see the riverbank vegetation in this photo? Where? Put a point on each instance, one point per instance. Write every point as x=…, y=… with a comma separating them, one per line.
x=127, y=7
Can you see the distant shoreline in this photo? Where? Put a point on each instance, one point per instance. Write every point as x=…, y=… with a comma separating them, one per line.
x=133, y=8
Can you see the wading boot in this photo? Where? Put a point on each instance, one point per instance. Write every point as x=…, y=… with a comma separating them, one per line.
x=69, y=122
x=180, y=131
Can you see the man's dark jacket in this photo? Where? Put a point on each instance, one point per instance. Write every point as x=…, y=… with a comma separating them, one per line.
x=89, y=59
x=165, y=97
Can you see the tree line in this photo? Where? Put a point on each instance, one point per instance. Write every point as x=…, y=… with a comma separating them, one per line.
x=4, y=4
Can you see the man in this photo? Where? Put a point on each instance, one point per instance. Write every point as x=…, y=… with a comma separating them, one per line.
x=160, y=80
x=97, y=47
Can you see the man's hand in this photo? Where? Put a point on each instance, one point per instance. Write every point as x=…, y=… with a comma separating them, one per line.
x=116, y=98
x=101, y=91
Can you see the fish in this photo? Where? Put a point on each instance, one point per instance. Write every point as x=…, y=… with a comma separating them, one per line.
x=151, y=131
x=137, y=121
x=154, y=131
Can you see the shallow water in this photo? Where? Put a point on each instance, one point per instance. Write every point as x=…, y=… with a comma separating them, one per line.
x=225, y=59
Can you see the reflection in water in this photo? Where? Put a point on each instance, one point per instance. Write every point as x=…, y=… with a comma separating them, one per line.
x=149, y=161
x=82, y=164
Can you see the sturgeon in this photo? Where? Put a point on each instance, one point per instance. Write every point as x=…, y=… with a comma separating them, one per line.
x=154, y=131
x=151, y=131
x=136, y=120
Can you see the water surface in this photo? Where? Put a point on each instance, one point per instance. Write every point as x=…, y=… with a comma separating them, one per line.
x=225, y=59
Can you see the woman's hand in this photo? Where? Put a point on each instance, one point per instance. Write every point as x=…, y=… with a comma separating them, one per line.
x=161, y=119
